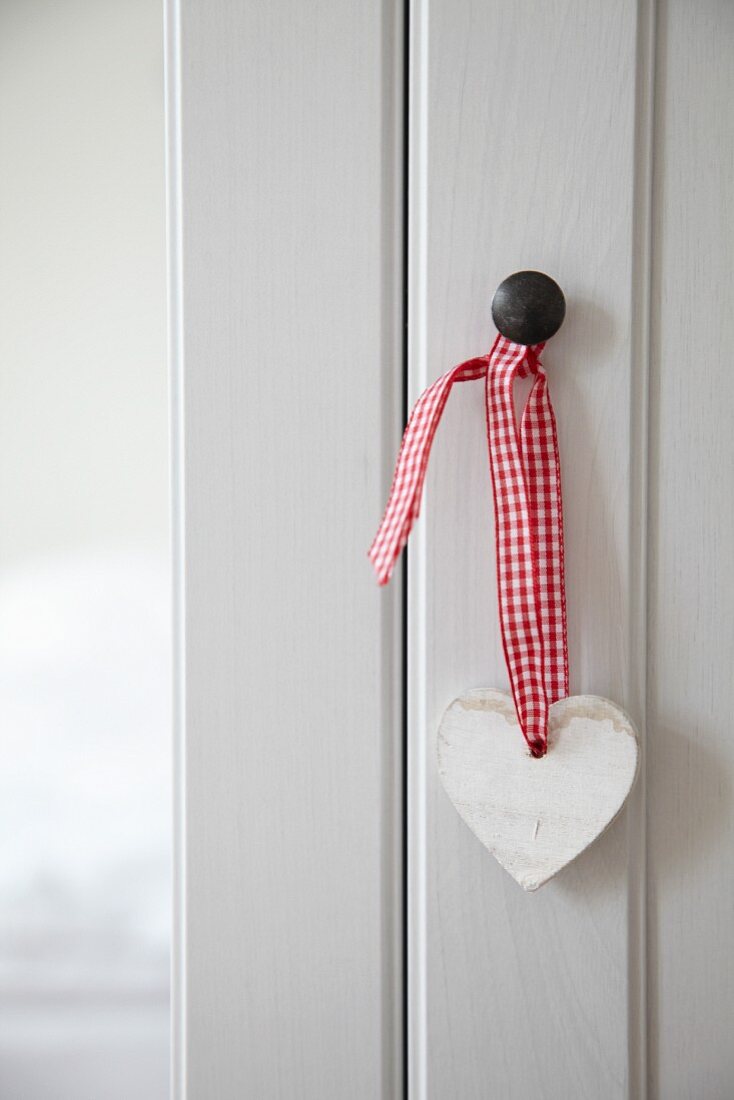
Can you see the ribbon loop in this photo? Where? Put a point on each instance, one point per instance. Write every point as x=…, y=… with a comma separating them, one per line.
x=526, y=479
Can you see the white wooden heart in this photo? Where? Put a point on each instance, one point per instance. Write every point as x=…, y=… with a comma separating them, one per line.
x=536, y=815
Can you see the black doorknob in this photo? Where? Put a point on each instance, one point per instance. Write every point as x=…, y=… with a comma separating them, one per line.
x=528, y=307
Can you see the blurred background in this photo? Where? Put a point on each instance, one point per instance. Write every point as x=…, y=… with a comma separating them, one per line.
x=85, y=742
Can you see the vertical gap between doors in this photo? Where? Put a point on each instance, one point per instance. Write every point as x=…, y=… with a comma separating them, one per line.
x=404, y=586
x=642, y=336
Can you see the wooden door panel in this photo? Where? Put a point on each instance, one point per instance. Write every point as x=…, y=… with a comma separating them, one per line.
x=691, y=750
x=524, y=155
x=286, y=173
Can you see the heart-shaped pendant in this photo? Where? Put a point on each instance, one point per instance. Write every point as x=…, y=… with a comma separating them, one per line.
x=536, y=815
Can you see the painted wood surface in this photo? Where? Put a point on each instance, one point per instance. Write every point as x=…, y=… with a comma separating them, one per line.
x=625, y=960
x=286, y=235
x=691, y=747
x=524, y=143
x=532, y=145
x=536, y=816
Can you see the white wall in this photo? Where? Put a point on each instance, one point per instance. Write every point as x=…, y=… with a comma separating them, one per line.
x=84, y=622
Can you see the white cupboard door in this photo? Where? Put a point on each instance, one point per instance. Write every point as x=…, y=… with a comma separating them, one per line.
x=524, y=156
x=285, y=170
x=591, y=140
x=691, y=593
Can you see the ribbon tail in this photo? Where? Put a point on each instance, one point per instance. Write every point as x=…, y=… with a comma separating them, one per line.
x=403, y=506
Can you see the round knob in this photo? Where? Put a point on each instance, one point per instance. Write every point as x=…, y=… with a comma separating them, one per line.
x=528, y=307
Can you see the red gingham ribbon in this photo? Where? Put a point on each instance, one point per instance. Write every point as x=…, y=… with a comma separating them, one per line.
x=526, y=478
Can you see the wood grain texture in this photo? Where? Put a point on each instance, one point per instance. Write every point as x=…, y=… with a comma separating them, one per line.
x=290, y=367
x=524, y=119
x=536, y=816
x=691, y=748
